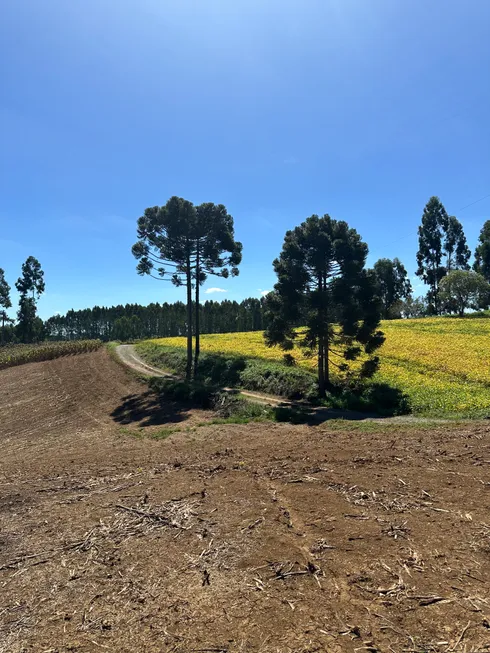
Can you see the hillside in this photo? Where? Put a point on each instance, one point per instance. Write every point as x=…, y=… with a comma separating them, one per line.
x=442, y=364
x=357, y=536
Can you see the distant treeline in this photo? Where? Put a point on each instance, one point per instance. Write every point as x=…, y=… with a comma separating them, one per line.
x=134, y=321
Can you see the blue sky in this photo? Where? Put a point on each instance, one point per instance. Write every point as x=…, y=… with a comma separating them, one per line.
x=362, y=109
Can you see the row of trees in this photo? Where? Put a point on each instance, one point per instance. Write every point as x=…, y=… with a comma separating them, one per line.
x=30, y=286
x=133, y=321
x=443, y=250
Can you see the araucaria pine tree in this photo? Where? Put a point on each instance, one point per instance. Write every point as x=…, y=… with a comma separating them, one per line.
x=184, y=244
x=323, y=286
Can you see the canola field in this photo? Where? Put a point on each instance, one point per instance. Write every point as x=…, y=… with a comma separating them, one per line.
x=442, y=364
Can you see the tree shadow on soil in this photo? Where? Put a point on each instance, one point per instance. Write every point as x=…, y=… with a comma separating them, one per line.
x=150, y=409
x=312, y=416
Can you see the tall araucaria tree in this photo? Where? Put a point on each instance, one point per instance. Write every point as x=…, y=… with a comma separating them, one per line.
x=482, y=252
x=5, y=302
x=30, y=286
x=429, y=256
x=184, y=244
x=322, y=281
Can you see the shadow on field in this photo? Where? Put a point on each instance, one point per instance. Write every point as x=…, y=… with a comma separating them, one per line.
x=149, y=409
x=313, y=416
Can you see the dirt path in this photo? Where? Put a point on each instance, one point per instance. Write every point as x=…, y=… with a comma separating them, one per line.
x=129, y=356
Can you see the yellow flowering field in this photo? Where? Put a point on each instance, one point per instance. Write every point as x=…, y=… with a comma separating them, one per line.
x=442, y=364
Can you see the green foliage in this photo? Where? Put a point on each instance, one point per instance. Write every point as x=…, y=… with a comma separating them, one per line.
x=30, y=286
x=457, y=251
x=429, y=256
x=322, y=280
x=194, y=392
x=234, y=409
x=414, y=307
x=236, y=371
x=30, y=327
x=378, y=397
x=157, y=320
x=280, y=380
x=439, y=235
x=162, y=433
x=482, y=252
x=13, y=355
x=462, y=289
x=127, y=328
x=5, y=303
x=4, y=291
x=392, y=286
x=32, y=279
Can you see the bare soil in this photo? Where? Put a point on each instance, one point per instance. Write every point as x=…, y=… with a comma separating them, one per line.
x=260, y=537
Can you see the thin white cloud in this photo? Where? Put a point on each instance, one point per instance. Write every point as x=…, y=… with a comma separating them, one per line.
x=208, y=291
x=264, y=292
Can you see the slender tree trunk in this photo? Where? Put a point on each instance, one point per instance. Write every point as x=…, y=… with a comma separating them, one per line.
x=198, y=344
x=321, y=369
x=321, y=355
x=3, y=328
x=188, y=372
x=326, y=343
x=436, y=290
x=326, y=365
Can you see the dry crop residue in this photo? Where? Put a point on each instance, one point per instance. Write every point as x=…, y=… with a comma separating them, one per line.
x=262, y=537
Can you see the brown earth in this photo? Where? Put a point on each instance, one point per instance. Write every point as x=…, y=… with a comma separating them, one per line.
x=264, y=537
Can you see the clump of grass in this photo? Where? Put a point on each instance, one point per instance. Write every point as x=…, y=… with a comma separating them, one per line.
x=161, y=434
x=234, y=409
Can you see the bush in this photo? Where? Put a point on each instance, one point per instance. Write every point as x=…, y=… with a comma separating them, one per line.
x=232, y=407
x=370, y=397
x=277, y=379
x=196, y=393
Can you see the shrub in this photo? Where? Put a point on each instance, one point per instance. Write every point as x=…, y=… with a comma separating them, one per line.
x=232, y=407
x=277, y=379
x=196, y=393
x=370, y=397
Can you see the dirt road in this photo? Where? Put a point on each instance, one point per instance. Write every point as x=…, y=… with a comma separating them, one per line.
x=234, y=538
x=129, y=356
